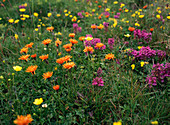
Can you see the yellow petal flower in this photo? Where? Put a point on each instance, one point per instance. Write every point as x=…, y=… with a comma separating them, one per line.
x=17, y=68
x=154, y=122
x=38, y=101
x=133, y=66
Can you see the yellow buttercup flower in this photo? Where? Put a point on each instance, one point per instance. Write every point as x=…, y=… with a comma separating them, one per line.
x=66, y=14
x=168, y=17
x=139, y=47
x=17, y=68
x=16, y=36
x=126, y=10
x=137, y=24
x=133, y=66
x=89, y=38
x=127, y=35
x=107, y=9
x=115, y=2
x=16, y=21
x=133, y=15
x=141, y=16
x=38, y=101
x=142, y=63
x=117, y=123
x=158, y=16
x=140, y=10
x=58, y=15
x=11, y=20
x=22, y=10
x=65, y=11
x=49, y=14
x=36, y=14
x=154, y=122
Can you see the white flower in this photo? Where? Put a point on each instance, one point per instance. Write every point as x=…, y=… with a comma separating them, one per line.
x=44, y=105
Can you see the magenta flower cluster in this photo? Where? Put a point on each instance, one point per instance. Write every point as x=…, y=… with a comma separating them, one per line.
x=111, y=42
x=98, y=80
x=76, y=28
x=143, y=34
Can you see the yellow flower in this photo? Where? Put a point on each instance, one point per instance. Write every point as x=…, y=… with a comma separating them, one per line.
x=133, y=15
x=58, y=15
x=127, y=21
x=13, y=74
x=141, y=16
x=49, y=14
x=151, y=4
x=71, y=16
x=115, y=2
x=107, y=9
x=59, y=33
x=126, y=10
x=168, y=17
x=122, y=5
x=17, y=68
x=36, y=29
x=36, y=14
x=22, y=10
x=16, y=36
x=133, y=66
x=139, y=47
x=23, y=19
x=1, y=77
x=137, y=24
x=65, y=11
x=127, y=35
x=38, y=101
x=93, y=10
x=16, y=21
x=159, y=11
x=140, y=10
x=158, y=16
x=11, y=20
x=117, y=123
x=89, y=38
x=78, y=21
x=66, y=14
x=154, y=122
x=142, y=63
x=69, y=12
x=26, y=16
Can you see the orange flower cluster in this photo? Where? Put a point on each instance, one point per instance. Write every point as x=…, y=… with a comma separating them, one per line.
x=43, y=57
x=24, y=57
x=69, y=65
x=58, y=42
x=29, y=45
x=72, y=35
x=56, y=87
x=93, y=26
x=63, y=59
x=68, y=47
x=32, y=69
x=73, y=41
x=46, y=42
x=47, y=75
x=99, y=45
x=88, y=49
x=34, y=56
x=24, y=50
x=109, y=56
x=82, y=38
x=50, y=29
x=131, y=29
x=23, y=120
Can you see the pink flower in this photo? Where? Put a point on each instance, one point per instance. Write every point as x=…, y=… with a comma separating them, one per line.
x=98, y=81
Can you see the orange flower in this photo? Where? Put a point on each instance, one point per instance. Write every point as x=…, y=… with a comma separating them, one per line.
x=67, y=46
x=29, y=45
x=87, y=13
x=24, y=57
x=56, y=87
x=73, y=41
x=24, y=50
x=109, y=56
x=72, y=35
x=82, y=38
x=93, y=26
x=43, y=57
x=145, y=6
x=60, y=60
x=67, y=58
x=88, y=49
x=99, y=6
x=23, y=120
x=120, y=9
x=151, y=29
x=131, y=29
x=58, y=42
x=68, y=50
x=100, y=27
x=32, y=69
x=46, y=42
x=99, y=17
x=47, y=75
x=69, y=65
x=99, y=45
x=50, y=29
x=107, y=16
x=34, y=55
x=96, y=1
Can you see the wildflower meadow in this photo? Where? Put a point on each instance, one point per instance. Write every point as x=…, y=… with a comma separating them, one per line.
x=84, y=62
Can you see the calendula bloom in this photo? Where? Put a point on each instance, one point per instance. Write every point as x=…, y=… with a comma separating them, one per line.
x=34, y=56
x=158, y=16
x=29, y=45
x=24, y=57
x=38, y=101
x=46, y=42
x=58, y=42
x=47, y=75
x=142, y=63
x=99, y=45
x=11, y=20
x=17, y=68
x=110, y=56
x=49, y=14
x=32, y=69
x=88, y=49
x=151, y=29
x=56, y=87
x=69, y=65
x=36, y=14
x=72, y=35
x=73, y=41
x=133, y=66
x=67, y=58
x=60, y=60
x=141, y=16
x=50, y=29
x=43, y=57
x=154, y=122
x=131, y=29
x=68, y=47
x=24, y=50
x=117, y=123
x=16, y=36
x=23, y=120
x=93, y=26
x=100, y=26
x=82, y=38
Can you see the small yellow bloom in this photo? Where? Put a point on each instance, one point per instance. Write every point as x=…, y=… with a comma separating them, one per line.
x=89, y=38
x=78, y=21
x=55, y=68
x=22, y=10
x=11, y=20
x=38, y=101
x=133, y=15
x=117, y=123
x=59, y=33
x=115, y=2
x=17, y=68
x=49, y=14
x=58, y=15
x=154, y=122
x=168, y=17
x=139, y=47
x=1, y=77
x=127, y=35
x=133, y=66
x=126, y=10
x=107, y=9
x=151, y=4
x=23, y=19
x=13, y=74
x=9, y=79
x=36, y=14
x=137, y=24
x=142, y=63
x=158, y=16
x=127, y=21
x=65, y=11
x=36, y=29
x=66, y=14
x=16, y=36
x=140, y=10
x=141, y=16
x=16, y=21
x=93, y=10
x=159, y=11
x=71, y=16
x=122, y=5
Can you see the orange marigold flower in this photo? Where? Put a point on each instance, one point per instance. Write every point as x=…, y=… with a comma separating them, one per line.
x=88, y=49
x=82, y=38
x=34, y=56
x=99, y=6
x=69, y=65
x=67, y=46
x=50, y=29
x=29, y=45
x=60, y=60
x=43, y=57
x=58, y=42
x=72, y=35
x=93, y=26
x=24, y=57
x=24, y=50
x=99, y=17
x=100, y=27
x=145, y=6
x=99, y=45
x=96, y=1
x=151, y=29
x=87, y=13
x=73, y=41
x=32, y=69
x=47, y=75
x=120, y=9
x=23, y=120
x=110, y=56
x=68, y=50
x=46, y=42
x=56, y=87
x=131, y=29
x=107, y=16
x=67, y=58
